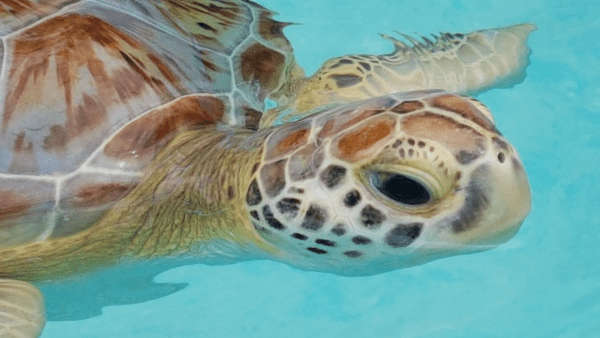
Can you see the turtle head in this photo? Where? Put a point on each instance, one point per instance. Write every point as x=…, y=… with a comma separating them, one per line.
x=387, y=183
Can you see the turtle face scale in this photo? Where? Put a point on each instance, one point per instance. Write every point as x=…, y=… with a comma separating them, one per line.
x=386, y=183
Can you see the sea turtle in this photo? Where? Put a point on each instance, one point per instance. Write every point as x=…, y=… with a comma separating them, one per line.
x=132, y=130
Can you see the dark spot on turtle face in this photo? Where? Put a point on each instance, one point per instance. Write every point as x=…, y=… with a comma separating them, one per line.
x=466, y=157
x=411, y=141
x=253, y=197
x=365, y=65
x=401, y=152
x=501, y=157
x=230, y=192
x=325, y=242
x=255, y=215
x=352, y=198
x=315, y=218
x=411, y=152
x=317, y=251
x=345, y=80
x=207, y=27
x=271, y=220
x=339, y=230
x=421, y=144
x=299, y=236
x=333, y=175
x=371, y=217
x=289, y=207
x=353, y=253
x=476, y=201
x=396, y=144
x=361, y=240
x=403, y=234
x=273, y=177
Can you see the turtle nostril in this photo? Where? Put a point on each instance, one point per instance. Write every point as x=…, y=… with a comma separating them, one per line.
x=501, y=157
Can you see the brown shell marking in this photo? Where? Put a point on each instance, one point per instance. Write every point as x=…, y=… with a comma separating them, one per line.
x=464, y=108
x=86, y=197
x=25, y=209
x=272, y=30
x=354, y=145
x=99, y=194
x=15, y=14
x=463, y=141
x=210, y=23
x=264, y=66
x=70, y=41
x=139, y=141
x=23, y=160
x=13, y=205
x=88, y=70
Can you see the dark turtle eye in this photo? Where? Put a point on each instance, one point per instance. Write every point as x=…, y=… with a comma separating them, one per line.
x=401, y=188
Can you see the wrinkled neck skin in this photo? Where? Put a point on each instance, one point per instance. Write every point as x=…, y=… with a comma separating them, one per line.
x=188, y=207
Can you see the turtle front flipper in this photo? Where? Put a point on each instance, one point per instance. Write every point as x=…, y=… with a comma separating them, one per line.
x=459, y=63
x=21, y=309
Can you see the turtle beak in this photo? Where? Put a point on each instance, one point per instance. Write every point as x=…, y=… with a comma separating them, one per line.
x=497, y=200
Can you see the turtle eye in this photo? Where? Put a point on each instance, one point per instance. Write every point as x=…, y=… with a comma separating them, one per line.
x=401, y=188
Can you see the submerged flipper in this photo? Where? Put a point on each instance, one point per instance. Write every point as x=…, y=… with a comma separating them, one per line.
x=21, y=310
x=460, y=63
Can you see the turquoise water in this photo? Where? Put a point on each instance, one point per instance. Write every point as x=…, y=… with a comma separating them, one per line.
x=543, y=283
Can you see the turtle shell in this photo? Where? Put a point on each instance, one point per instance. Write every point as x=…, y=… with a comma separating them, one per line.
x=90, y=91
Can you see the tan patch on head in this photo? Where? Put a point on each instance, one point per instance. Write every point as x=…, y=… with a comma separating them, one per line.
x=146, y=135
x=354, y=145
x=407, y=107
x=286, y=140
x=13, y=205
x=463, y=141
x=264, y=66
x=464, y=108
x=346, y=120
